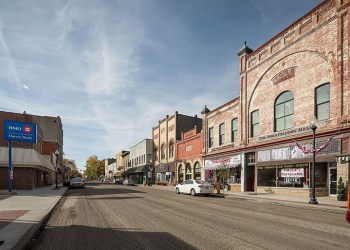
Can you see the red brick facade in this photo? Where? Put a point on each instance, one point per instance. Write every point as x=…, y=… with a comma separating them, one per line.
x=189, y=156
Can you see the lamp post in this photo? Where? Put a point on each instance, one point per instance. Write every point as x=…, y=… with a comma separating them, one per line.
x=57, y=155
x=313, y=126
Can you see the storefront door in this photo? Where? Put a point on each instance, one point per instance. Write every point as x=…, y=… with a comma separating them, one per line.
x=332, y=181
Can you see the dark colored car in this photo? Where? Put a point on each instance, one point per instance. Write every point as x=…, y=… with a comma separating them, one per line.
x=77, y=182
x=119, y=181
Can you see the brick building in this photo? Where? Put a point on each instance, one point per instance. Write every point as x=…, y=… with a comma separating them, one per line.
x=32, y=162
x=300, y=74
x=189, y=156
x=223, y=143
x=164, y=137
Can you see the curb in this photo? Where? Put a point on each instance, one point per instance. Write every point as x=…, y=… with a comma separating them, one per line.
x=25, y=240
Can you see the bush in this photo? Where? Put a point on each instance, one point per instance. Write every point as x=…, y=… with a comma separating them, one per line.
x=341, y=190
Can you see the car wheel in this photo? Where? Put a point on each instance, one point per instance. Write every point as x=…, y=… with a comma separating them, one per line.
x=177, y=190
x=193, y=192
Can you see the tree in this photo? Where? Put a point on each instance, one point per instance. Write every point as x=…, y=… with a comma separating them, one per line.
x=223, y=173
x=94, y=167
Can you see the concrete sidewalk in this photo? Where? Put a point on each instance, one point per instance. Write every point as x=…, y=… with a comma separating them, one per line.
x=22, y=214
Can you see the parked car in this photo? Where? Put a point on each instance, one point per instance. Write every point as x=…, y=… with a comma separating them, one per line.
x=77, y=182
x=194, y=187
x=129, y=182
x=119, y=181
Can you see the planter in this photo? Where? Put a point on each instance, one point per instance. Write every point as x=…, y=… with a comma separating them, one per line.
x=341, y=197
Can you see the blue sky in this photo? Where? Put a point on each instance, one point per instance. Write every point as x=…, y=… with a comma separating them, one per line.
x=112, y=69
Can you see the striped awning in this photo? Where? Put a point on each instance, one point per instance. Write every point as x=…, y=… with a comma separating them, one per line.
x=343, y=158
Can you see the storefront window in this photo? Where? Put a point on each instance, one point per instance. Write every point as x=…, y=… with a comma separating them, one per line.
x=267, y=177
x=180, y=176
x=234, y=175
x=188, y=171
x=292, y=175
x=197, y=171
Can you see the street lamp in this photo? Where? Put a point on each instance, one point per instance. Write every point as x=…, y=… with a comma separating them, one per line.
x=57, y=155
x=313, y=125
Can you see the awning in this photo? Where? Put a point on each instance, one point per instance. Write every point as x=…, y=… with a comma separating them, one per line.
x=222, y=163
x=343, y=158
x=130, y=171
x=143, y=169
x=26, y=157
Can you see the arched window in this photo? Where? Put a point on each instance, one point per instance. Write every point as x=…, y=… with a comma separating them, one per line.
x=188, y=171
x=197, y=171
x=162, y=151
x=171, y=149
x=180, y=176
x=284, y=111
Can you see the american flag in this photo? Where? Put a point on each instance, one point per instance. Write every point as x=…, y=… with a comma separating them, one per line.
x=303, y=148
x=318, y=150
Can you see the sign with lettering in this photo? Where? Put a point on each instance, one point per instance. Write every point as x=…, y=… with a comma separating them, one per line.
x=20, y=131
x=228, y=162
x=292, y=172
x=284, y=75
x=291, y=180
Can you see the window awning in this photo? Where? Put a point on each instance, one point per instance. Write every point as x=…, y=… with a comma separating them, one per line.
x=224, y=162
x=26, y=157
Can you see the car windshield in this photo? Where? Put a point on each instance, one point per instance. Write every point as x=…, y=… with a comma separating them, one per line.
x=77, y=179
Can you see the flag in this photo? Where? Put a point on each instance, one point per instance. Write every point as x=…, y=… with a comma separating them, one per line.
x=303, y=148
x=323, y=146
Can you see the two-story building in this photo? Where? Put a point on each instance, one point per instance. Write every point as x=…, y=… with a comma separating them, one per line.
x=189, y=156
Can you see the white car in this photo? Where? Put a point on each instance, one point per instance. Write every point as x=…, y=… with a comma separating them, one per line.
x=194, y=187
x=129, y=182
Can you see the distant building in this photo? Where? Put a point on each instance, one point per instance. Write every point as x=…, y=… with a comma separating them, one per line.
x=110, y=167
x=140, y=161
x=121, y=165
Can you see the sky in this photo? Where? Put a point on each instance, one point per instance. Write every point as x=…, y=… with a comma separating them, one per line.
x=112, y=69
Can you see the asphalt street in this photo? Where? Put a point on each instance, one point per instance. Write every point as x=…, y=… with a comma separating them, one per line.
x=109, y=216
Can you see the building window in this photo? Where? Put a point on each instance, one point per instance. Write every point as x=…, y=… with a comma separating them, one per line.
x=221, y=134
x=255, y=123
x=197, y=171
x=251, y=158
x=180, y=174
x=171, y=149
x=284, y=111
x=211, y=137
x=234, y=130
x=323, y=102
x=162, y=152
x=188, y=171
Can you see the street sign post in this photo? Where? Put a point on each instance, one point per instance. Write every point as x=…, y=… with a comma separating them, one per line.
x=21, y=132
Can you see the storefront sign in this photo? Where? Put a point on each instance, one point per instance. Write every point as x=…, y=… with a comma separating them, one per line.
x=292, y=172
x=291, y=180
x=285, y=133
x=20, y=131
x=293, y=152
x=299, y=165
x=227, y=162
